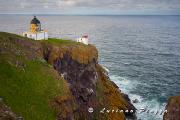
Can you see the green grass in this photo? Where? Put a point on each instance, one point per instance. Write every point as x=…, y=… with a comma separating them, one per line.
x=29, y=87
x=59, y=41
x=29, y=92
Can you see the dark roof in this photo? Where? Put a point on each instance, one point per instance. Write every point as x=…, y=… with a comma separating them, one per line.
x=35, y=21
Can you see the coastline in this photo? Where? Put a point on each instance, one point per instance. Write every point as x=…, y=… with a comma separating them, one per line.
x=88, y=89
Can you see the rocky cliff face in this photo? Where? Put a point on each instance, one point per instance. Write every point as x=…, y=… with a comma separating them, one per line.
x=84, y=83
x=88, y=82
x=173, y=109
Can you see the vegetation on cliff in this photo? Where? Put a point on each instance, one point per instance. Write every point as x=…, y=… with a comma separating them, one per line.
x=173, y=109
x=56, y=79
x=78, y=51
x=27, y=82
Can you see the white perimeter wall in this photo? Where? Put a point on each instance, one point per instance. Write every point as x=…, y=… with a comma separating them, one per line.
x=36, y=36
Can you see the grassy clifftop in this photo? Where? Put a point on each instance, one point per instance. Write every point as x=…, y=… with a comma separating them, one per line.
x=27, y=82
x=78, y=51
x=55, y=79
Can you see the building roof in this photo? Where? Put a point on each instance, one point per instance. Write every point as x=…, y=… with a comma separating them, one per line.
x=35, y=21
x=85, y=36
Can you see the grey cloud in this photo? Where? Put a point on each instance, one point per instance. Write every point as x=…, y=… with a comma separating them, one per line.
x=65, y=5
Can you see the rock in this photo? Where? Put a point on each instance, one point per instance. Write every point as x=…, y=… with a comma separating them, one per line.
x=129, y=115
x=20, y=118
x=173, y=109
x=126, y=97
x=6, y=113
x=135, y=101
x=88, y=83
x=114, y=84
x=90, y=91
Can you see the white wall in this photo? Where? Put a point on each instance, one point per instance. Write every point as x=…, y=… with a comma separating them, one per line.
x=83, y=40
x=36, y=36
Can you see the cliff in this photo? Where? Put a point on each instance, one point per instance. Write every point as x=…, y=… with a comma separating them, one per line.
x=57, y=79
x=173, y=109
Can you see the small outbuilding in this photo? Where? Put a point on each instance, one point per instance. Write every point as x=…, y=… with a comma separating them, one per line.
x=83, y=39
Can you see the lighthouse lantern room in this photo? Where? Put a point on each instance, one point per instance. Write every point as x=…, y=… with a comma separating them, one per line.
x=35, y=31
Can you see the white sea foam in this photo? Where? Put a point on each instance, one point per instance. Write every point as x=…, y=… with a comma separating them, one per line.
x=127, y=86
x=151, y=105
x=123, y=83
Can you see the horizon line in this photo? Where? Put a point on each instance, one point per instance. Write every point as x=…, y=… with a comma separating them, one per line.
x=89, y=14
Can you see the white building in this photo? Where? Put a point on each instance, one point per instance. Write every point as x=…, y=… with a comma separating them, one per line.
x=36, y=32
x=83, y=39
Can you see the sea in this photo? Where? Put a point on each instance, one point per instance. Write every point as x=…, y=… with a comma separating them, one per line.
x=142, y=53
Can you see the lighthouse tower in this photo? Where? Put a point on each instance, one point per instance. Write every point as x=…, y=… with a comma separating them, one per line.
x=35, y=31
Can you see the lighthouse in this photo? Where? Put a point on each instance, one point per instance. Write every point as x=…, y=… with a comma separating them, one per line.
x=36, y=32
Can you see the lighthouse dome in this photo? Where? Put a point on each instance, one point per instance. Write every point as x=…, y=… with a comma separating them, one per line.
x=35, y=21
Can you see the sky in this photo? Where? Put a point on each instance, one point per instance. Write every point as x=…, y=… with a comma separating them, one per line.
x=91, y=7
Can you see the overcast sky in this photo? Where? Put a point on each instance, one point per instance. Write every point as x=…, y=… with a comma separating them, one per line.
x=91, y=6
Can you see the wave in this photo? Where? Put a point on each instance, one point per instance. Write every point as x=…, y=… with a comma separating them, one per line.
x=127, y=86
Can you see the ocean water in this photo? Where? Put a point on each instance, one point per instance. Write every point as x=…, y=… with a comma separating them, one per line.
x=142, y=53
